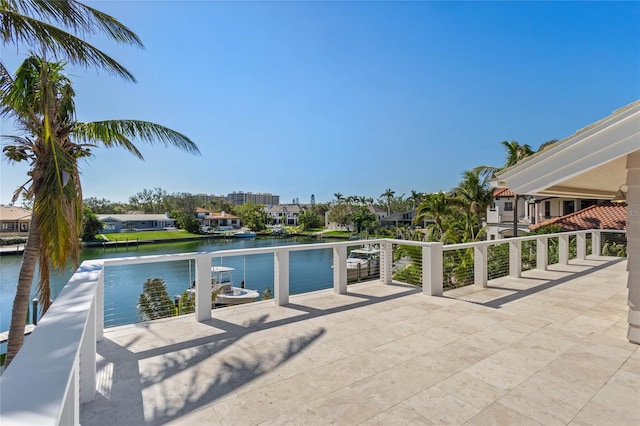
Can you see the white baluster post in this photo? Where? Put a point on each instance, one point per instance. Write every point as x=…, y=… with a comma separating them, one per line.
x=515, y=258
x=563, y=249
x=386, y=262
x=581, y=246
x=596, y=240
x=480, y=266
x=340, y=269
x=203, y=288
x=281, y=276
x=432, y=269
x=542, y=253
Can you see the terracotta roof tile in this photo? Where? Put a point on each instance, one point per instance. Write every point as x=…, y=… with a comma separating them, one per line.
x=605, y=215
x=502, y=192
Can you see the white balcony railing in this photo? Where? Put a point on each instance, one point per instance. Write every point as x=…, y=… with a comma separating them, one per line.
x=55, y=371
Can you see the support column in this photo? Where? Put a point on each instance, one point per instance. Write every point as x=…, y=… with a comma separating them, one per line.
x=432, y=269
x=386, y=262
x=596, y=242
x=203, y=288
x=563, y=249
x=480, y=266
x=633, y=245
x=340, y=269
x=581, y=246
x=281, y=276
x=542, y=253
x=515, y=258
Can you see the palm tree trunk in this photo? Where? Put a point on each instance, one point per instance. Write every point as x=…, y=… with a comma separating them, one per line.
x=23, y=292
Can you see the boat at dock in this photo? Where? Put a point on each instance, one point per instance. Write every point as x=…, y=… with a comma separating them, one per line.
x=245, y=233
x=228, y=294
x=363, y=263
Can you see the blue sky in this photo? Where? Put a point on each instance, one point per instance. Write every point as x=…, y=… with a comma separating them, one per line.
x=301, y=98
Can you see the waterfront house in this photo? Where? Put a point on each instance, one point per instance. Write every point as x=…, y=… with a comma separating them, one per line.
x=398, y=219
x=284, y=214
x=135, y=222
x=217, y=220
x=379, y=213
x=14, y=219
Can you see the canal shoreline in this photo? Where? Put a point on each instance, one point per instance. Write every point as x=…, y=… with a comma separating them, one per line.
x=18, y=249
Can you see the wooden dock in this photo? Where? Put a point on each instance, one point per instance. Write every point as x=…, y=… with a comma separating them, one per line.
x=4, y=336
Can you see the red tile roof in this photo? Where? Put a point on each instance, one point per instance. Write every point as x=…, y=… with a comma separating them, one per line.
x=502, y=192
x=605, y=215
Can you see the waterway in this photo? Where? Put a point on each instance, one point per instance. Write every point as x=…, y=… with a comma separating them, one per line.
x=309, y=271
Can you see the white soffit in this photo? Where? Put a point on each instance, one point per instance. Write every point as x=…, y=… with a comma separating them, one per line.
x=589, y=164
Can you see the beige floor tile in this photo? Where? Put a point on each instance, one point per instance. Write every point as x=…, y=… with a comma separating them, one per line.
x=621, y=391
x=441, y=407
x=597, y=414
x=499, y=415
x=397, y=415
x=471, y=390
x=550, y=357
x=347, y=371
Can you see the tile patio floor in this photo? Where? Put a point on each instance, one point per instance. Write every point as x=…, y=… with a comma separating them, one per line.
x=548, y=348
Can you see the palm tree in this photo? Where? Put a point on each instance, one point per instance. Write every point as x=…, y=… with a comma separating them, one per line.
x=515, y=152
x=388, y=194
x=475, y=194
x=33, y=22
x=41, y=101
x=339, y=197
x=416, y=198
x=434, y=206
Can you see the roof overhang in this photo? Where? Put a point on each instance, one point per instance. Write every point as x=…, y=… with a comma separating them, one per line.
x=589, y=164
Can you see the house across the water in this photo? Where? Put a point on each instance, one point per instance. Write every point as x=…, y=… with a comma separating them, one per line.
x=135, y=222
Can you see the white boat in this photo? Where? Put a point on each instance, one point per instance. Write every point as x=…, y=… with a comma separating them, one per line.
x=363, y=263
x=245, y=233
x=229, y=295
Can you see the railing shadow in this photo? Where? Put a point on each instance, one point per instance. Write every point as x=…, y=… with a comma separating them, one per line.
x=522, y=293
x=134, y=384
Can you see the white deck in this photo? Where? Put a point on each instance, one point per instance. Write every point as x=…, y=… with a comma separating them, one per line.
x=548, y=348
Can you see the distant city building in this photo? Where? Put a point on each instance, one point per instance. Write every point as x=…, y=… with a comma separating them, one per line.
x=239, y=198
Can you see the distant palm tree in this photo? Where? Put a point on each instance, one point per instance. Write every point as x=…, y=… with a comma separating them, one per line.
x=52, y=26
x=515, y=152
x=434, y=206
x=388, y=194
x=416, y=198
x=339, y=197
x=40, y=99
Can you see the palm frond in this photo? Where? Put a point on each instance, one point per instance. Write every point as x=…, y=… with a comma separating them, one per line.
x=77, y=16
x=19, y=28
x=118, y=133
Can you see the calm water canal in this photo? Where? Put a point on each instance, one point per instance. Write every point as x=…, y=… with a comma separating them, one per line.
x=309, y=271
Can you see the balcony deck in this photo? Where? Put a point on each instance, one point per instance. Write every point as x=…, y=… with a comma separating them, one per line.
x=547, y=348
